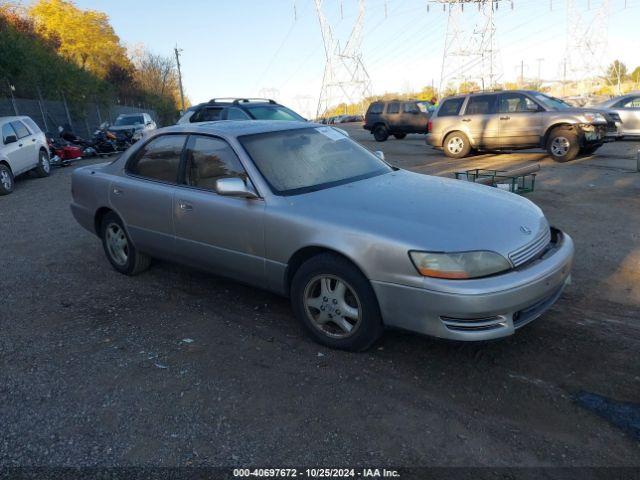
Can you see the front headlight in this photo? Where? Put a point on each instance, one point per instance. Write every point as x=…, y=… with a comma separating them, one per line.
x=463, y=265
x=595, y=118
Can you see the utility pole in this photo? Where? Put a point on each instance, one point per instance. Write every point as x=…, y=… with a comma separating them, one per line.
x=521, y=73
x=177, y=51
x=539, y=60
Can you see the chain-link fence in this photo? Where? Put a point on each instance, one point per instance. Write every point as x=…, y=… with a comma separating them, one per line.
x=50, y=114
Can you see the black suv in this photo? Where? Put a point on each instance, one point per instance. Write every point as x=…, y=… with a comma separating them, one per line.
x=239, y=109
x=397, y=118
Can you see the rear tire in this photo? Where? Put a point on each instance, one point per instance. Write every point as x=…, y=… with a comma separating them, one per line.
x=563, y=145
x=6, y=180
x=336, y=303
x=44, y=166
x=119, y=248
x=456, y=145
x=399, y=136
x=380, y=133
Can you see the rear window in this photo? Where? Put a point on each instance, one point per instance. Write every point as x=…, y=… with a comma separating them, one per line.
x=450, y=107
x=376, y=108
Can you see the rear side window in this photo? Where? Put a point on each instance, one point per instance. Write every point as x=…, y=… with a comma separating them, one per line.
x=159, y=159
x=209, y=159
x=32, y=125
x=7, y=131
x=450, y=107
x=481, y=105
x=393, y=107
x=207, y=115
x=20, y=129
x=376, y=108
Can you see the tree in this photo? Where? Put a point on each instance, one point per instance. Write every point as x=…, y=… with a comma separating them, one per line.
x=635, y=76
x=156, y=74
x=616, y=73
x=84, y=36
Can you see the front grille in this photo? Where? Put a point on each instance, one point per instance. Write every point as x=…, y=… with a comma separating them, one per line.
x=532, y=249
x=532, y=312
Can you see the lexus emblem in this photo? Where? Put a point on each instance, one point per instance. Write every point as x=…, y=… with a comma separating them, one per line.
x=525, y=230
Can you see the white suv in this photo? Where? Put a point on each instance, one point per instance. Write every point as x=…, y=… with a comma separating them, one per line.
x=23, y=148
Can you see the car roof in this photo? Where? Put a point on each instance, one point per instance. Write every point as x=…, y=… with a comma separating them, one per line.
x=236, y=128
x=226, y=102
x=13, y=117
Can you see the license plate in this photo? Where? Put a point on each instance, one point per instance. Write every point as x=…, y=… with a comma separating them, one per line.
x=590, y=136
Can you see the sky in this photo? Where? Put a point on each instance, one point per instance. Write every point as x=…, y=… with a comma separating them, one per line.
x=259, y=47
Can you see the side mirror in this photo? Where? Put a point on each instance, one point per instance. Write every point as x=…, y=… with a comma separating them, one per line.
x=10, y=139
x=234, y=187
x=379, y=154
x=149, y=123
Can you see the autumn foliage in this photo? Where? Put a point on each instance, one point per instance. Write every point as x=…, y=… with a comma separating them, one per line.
x=53, y=48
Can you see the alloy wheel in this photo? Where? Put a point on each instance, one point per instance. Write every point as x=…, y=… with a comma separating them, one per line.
x=44, y=162
x=560, y=146
x=117, y=244
x=5, y=179
x=332, y=306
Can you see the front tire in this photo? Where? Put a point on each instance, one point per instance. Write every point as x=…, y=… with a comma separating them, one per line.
x=120, y=251
x=44, y=166
x=336, y=304
x=6, y=180
x=456, y=145
x=563, y=145
x=380, y=133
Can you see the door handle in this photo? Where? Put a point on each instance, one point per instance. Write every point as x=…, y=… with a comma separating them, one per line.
x=187, y=207
x=19, y=144
x=505, y=118
x=33, y=139
x=117, y=191
x=466, y=119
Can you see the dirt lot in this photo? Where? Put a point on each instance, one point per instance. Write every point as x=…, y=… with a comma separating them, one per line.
x=176, y=367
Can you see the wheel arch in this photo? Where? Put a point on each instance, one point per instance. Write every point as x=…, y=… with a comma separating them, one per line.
x=99, y=215
x=551, y=128
x=303, y=254
x=4, y=161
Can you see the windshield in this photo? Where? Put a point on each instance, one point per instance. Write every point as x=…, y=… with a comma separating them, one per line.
x=274, y=112
x=308, y=159
x=552, y=103
x=129, y=120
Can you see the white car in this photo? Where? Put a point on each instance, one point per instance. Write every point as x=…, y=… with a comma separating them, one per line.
x=135, y=124
x=24, y=147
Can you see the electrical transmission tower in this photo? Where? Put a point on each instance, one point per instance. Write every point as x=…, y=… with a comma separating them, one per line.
x=471, y=53
x=586, y=46
x=345, y=78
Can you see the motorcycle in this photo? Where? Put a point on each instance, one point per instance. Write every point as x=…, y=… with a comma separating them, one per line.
x=61, y=152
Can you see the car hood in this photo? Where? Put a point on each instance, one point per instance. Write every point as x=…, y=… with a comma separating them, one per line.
x=426, y=212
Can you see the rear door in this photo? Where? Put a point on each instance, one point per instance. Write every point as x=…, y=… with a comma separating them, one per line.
x=26, y=144
x=392, y=116
x=482, y=120
x=14, y=152
x=143, y=197
x=520, y=121
x=629, y=110
x=222, y=233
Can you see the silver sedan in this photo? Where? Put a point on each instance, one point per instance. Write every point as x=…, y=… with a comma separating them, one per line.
x=303, y=211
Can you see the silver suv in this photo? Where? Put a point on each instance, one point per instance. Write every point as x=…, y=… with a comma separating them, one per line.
x=518, y=120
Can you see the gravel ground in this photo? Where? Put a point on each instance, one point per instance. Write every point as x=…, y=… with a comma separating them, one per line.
x=175, y=367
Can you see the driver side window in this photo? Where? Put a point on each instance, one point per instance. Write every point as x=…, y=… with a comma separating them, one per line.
x=209, y=159
x=517, y=103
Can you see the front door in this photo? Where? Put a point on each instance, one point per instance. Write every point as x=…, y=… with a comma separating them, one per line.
x=413, y=119
x=224, y=234
x=143, y=197
x=520, y=121
x=481, y=121
x=17, y=155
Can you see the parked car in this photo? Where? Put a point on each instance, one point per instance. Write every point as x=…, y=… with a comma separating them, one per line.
x=24, y=147
x=395, y=118
x=238, y=109
x=133, y=125
x=628, y=109
x=518, y=119
x=301, y=210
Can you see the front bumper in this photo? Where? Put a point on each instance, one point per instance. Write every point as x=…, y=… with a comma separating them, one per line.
x=481, y=309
